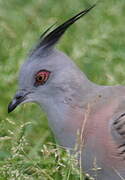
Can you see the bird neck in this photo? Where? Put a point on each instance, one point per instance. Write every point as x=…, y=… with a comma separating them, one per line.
x=65, y=112
x=64, y=103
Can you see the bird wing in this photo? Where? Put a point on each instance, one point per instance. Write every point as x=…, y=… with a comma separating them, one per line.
x=117, y=121
x=118, y=128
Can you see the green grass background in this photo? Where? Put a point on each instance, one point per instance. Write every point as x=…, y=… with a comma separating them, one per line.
x=97, y=45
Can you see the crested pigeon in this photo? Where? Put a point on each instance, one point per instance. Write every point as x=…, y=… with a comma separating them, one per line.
x=75, y=104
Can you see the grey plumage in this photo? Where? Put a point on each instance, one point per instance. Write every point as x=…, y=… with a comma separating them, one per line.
x=72, y=102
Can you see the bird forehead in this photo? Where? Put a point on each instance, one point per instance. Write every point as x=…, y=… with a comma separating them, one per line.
x=29, y=70
x=26, y=72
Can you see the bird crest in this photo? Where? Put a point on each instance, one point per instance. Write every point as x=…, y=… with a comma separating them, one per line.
x=49, y=39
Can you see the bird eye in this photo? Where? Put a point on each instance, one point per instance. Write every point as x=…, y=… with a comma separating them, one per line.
x=41, y=77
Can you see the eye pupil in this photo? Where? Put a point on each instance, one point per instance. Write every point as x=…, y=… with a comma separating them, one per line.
x=40, y=78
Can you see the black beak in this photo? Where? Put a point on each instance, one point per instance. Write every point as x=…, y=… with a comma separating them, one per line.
x=15, y=102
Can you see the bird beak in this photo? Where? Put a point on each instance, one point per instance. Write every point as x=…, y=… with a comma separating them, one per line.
x=14, y=103
x=19, y=98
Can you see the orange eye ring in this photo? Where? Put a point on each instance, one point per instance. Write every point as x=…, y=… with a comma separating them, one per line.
x=41, y=77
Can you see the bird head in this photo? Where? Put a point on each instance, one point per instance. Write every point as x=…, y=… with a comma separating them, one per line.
x=47, y=72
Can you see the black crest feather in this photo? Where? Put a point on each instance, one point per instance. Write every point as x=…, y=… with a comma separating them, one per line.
x=48, y=40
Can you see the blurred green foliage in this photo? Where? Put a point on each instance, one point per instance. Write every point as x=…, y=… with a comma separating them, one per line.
x=97, y=45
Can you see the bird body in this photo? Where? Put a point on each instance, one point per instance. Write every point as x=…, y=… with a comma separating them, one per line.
x=104, y=143
x=79, y=111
